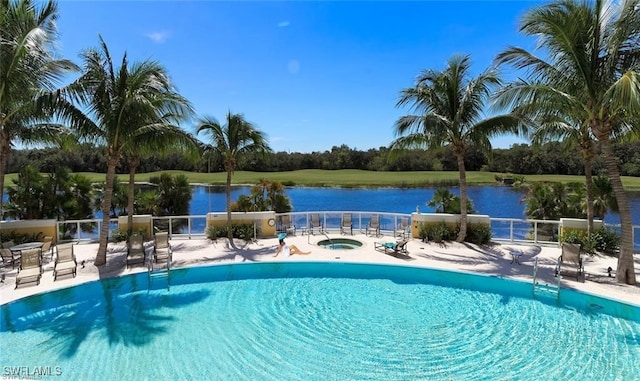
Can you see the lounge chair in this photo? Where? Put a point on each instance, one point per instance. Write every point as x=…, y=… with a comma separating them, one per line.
x=286, y=226
x=47, y=248
x=347, y=224
x=571, y=259
x=403, y=229
x=161, y=247
x=374, y=226
x=393, y=248
x=315, y=223
x=135, y=250
x=30, y=268
x=66, y=263
x=9, y=256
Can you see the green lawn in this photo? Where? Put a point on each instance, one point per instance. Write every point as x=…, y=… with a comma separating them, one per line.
x=351, y=178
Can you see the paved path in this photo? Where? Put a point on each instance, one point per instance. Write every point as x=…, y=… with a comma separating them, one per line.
x=489, y=260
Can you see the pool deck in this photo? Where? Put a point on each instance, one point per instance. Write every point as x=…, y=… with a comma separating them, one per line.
x=492, y=260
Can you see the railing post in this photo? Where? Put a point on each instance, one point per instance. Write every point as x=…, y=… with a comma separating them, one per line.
x=511, y=230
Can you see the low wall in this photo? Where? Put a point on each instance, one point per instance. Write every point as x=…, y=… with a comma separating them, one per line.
x=34, y=227
x=265, y=221
x=141, y=222
x=577, y=224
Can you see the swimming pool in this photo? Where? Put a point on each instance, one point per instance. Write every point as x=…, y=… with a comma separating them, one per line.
x=319, y=321
x=340, y=243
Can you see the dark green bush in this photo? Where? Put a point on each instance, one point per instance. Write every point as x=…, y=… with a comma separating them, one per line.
x=439, y=232
x=122, y=236
x=19, y=238
x=603, y=240
x=242, y=231
x=480, y=234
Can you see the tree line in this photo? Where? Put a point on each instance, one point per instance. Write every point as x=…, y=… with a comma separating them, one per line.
x=551, y=158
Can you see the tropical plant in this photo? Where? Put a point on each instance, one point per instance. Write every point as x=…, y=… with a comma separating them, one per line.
x=28, y=67
x=266, y=195
x=589, y=70
x=157, y=133
x=61, y=195
x=115, y=106
x=446, y=202
x=232, y=140
x=448, y=106
x=554, y=125
x=604, y=199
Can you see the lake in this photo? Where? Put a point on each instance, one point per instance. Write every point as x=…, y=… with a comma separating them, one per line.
x=495, y=201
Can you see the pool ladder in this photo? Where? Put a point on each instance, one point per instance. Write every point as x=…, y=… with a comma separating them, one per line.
x=159, y=273
x=544, y=288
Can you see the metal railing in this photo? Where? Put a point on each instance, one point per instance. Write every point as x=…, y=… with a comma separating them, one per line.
x=194, y=226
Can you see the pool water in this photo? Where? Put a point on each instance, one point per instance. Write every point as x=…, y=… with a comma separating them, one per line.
x=340, y=243
x=320, y=321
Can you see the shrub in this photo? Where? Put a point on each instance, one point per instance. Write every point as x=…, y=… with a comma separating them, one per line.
x=439, y=232
x=480, y=234
x=603, y=240
x=242, y=231
x=122, y=236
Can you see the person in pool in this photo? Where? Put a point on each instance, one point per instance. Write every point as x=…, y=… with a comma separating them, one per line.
x=287, y=250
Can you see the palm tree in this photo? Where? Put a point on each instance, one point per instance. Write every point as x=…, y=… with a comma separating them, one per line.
x=232, y=140
x=114, y=107
x=449, y=107
x=28, y=67
x=551, y=126
x=591, y=51
x=158, y=134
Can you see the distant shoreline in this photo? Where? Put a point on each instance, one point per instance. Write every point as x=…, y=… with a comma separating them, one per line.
x=350, y=178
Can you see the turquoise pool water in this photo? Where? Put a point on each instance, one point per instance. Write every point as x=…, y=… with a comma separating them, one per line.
x=318, y=321
x=340, y=243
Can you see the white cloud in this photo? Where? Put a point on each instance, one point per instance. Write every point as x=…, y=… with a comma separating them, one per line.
x=158, y=37
x=283, y=24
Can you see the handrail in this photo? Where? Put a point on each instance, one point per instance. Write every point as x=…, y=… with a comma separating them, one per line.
x=503, y=229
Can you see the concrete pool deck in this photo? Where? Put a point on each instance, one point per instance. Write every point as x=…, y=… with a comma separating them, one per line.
x=492, y=260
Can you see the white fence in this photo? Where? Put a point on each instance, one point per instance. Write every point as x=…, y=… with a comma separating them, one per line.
x=503, y=229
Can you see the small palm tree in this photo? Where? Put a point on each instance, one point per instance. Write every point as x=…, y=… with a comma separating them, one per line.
x=28, y=67
x=592, y=73
x=232, y=140
x=114, y=106
x=448, y=107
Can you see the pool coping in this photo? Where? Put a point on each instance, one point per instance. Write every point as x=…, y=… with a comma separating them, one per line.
x=491, y=260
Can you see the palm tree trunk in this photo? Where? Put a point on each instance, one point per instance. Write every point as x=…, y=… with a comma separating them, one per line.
x=229, y=226
x=101, y=257
x=133, y=165
x=625, y=272
x=588, y=175
x=463, y=198
x=5, y=148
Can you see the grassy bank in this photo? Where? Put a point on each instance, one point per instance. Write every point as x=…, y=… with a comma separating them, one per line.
x=352, y=178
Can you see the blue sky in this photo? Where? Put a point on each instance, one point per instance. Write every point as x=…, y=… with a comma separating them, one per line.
x=310, y=74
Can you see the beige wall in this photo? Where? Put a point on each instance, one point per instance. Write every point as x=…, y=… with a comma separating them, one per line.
x=35, y=227
x=265, y=221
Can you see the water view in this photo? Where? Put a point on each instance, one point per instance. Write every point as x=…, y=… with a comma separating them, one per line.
x=495, y=201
